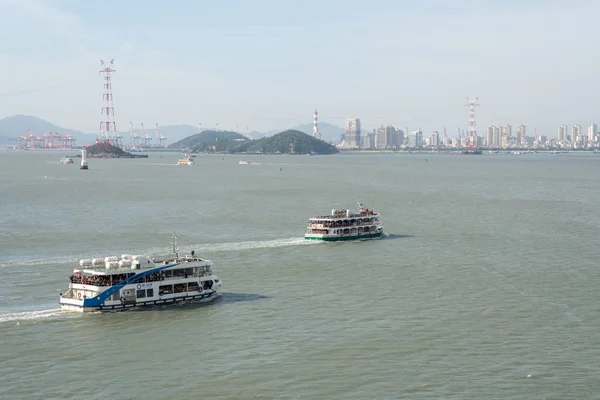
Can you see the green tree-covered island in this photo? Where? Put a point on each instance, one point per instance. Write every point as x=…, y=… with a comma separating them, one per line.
x=288, y=142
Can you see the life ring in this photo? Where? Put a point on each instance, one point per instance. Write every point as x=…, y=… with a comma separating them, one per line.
x=79, y=294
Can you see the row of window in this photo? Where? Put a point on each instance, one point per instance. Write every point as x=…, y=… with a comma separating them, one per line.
x=145, y=293
x=168, y=289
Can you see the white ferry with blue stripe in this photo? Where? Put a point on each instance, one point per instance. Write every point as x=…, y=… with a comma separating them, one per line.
x=130, y=281
x=344, y=225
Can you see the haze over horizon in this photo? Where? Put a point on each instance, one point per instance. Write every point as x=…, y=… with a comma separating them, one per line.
x=268, y=65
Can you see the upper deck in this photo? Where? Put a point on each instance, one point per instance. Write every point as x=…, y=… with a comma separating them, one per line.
x=126, y=263
x=346, y=214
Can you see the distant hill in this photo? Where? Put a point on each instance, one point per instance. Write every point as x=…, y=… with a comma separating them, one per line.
x=328, y=131
x=207, y=137
x=288, y=142
x=19, y=125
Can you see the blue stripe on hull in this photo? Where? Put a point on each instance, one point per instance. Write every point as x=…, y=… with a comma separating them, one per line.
x=122, y=307
x=344, y=238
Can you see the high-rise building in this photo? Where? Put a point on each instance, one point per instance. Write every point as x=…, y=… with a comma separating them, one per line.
x=415, y=139
x=490, y=136
x=576, y=133
x=562, y=133
x=521, y=133
x=497, y=136
x=592, y=132
x=387, y=137
x=368, y=140
x=353, y=132
x=435, y=139
x=400, y=137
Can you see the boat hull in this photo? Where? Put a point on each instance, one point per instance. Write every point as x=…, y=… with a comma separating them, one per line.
x=79, y=306
x=334, y=238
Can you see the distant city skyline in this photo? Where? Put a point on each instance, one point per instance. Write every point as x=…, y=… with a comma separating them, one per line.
x=268, y=65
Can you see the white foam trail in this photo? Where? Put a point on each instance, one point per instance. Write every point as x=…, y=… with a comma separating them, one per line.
x=259, y=244
x=239, y=246
x=30, y=315
x=199, y=248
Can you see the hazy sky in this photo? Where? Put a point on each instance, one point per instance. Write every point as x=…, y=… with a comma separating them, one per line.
x=267, y=64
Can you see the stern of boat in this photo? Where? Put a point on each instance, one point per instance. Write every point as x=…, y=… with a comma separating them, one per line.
x=69, y=302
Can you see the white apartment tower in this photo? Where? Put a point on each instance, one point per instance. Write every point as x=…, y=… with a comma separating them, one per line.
x=575, y=132
x=353, y=132
x=387, y=137
x=592, y=132
x=521, y=133
x=562, y=133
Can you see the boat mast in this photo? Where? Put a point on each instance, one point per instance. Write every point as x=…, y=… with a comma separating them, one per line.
x=174, y=243
x=360, y=206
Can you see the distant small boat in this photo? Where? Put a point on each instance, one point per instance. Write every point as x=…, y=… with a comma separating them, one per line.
x=185, y=161
x=244, y=162
x=66, y=160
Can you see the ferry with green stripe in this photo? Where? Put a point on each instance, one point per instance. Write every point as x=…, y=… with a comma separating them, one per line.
x=345, y=225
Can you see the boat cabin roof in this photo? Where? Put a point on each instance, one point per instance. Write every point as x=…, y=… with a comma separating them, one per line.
x=343, y=215
x=147, y=263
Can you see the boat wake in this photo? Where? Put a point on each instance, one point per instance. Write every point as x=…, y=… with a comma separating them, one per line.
x=31, y=315
x=387, y=235
x=250, y=245
x=199, y=248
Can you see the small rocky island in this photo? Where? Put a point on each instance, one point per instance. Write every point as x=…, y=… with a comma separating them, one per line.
x=107, y=150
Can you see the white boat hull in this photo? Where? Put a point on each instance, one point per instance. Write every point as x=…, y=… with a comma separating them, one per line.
x=78, y=305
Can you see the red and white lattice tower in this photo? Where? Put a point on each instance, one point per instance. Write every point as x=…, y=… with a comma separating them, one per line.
x=108, y=127
x=472, y=127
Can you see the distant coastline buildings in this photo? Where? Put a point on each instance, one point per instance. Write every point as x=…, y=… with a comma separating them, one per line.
x=496, y=137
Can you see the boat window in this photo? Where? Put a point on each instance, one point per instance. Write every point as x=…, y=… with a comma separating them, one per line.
x=178, y=273
x=149, y=292
x=141, y=293
x=165, y=289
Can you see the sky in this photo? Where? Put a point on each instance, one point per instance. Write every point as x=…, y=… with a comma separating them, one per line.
x=268, y=64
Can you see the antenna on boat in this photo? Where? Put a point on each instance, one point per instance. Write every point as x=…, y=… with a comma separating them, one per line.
x=174, y=242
